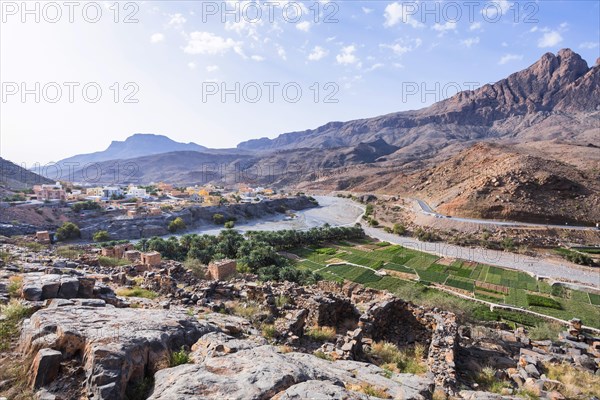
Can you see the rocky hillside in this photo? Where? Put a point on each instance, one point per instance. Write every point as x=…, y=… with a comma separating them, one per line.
x=164, y=332
x=13, y=176
x=555, y=85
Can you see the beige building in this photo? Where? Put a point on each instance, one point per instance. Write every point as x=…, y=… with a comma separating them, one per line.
x=221, y=270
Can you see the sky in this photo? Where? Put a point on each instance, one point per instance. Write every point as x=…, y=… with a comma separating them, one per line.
x=77, y=75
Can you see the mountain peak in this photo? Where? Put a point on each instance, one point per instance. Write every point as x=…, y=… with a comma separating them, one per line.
x=136, y=145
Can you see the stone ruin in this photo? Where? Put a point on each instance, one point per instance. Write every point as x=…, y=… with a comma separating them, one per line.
x=222, y=270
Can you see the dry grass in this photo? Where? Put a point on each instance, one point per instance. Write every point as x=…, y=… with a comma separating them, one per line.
x=577, y=383
x=136, y=291
x=246, y=310
x=285, y=349
x=70, y=252
x=15, y=285
x=16, y=371
x=486, y=378
x=391, y=358
x=370, y=390
x=321, y=333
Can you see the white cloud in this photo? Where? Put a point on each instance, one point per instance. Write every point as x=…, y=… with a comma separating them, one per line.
x=374, y=67
x=509, y=57
x=157, y=38
x=257, y=58
x=588, y=45
x=504, y=44
x=493, y=8
x=209, y=43
x=347, y=56
x=550, y=39
x=212, y=68
x=317, y=53
x=245, y=27
x=303, y=26
x=475, y=26
x=192, y=65
x=448, y=26
x=534, y=29
x=176, y=20
x=281, y=53
x=397, y=12
x=367, y=10
x=470, y=41
x=401, y=47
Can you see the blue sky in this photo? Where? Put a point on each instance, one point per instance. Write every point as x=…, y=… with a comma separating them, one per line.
x=350, y=59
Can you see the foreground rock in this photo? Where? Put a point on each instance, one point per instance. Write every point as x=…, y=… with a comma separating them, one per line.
x=116, y=346
x=262, y=372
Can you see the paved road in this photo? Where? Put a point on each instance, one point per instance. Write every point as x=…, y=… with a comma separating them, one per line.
x=427, y=210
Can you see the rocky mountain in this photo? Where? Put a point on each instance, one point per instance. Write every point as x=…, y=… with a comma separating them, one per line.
x=555, y=88
x=137, y=145
x=13, y=176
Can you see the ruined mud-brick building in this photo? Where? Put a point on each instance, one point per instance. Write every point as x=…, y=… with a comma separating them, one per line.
x=150, y=259
x=116, y=251
x=43, y=237
x=221, y=270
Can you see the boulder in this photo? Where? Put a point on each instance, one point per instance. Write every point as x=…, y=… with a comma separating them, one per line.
x=263, y=372
x=69, y=288
x=45, y=367
x=120, y=346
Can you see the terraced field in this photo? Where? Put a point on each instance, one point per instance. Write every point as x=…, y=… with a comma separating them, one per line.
x=485, y=282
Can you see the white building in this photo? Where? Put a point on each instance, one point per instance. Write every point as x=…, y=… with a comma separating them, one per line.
x=109, y=191
x=135, y=191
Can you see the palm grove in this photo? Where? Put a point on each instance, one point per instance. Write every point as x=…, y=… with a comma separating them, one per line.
x=257, y=251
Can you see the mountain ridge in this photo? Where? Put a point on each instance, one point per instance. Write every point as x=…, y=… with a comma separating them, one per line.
x=136, y=145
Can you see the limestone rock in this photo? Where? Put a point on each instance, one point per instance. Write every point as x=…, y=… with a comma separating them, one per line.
x=118, y=345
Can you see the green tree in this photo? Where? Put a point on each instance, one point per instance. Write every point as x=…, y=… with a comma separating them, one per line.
x=229, y=224
x=177, y=225
x=219, y=219
x=67, y=231
x=101, y=236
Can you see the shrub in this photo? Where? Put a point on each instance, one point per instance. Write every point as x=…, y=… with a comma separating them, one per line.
x=322, y=355
x=229, y=224
x=218, y=219
x=136, y=291
x=101, y=236
x=68, y=231
x=14, y=286
x=410, y=360
x=269, y=331
x=196, y=267
x=545, y=330
x=176, y=225
x=486, y=378
x=12, y=314
x=282, y=300
x=321, y=333
x=179, y=357
x=245, y=310
x=399, y=229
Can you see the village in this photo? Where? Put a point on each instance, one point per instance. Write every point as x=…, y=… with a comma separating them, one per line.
x=134, y=200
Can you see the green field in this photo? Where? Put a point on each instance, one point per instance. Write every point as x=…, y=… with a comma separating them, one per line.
x=485, y=282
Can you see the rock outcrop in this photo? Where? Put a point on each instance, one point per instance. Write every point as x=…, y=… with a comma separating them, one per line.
x=116, y=346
